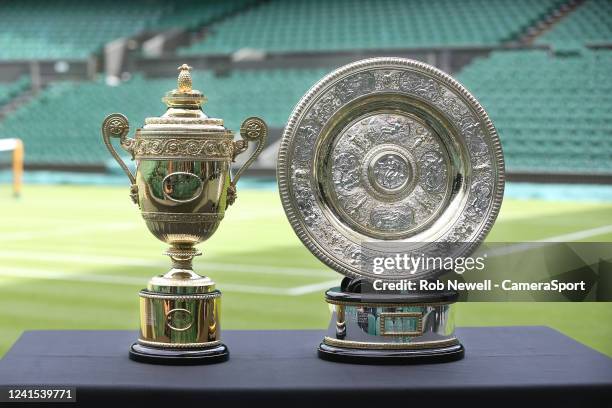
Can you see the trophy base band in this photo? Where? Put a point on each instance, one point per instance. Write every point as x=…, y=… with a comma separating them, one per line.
x=390, y=357
x=180, y=328
x=374, y=327
x=153, y=355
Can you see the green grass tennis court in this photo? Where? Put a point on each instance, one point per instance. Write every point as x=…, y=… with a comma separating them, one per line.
x=74, y=257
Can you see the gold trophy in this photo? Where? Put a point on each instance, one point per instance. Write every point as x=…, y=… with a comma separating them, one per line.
x=182, y=186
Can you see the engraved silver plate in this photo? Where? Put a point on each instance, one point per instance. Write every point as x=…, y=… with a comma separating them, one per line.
x=390, y=151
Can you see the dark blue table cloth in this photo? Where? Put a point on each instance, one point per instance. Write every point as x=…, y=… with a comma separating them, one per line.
x=504, y=366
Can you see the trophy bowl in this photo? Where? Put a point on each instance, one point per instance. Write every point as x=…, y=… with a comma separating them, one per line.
x=182, y=185
x=176, y=206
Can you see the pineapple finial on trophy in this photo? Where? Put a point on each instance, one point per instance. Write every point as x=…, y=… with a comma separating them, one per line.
x=184, y=78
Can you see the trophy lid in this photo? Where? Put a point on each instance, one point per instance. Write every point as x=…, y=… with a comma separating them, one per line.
x=184, y=109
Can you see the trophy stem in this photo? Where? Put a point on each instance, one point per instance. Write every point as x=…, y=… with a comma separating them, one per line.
x=182, y=260
x=182, y=263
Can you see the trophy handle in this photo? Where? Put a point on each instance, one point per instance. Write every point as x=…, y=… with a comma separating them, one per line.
x=252, y=129
x=116, y=126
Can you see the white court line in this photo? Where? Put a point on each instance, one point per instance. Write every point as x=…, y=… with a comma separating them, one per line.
x=96, y=259
x=65, y=231
x=254, y=214
x=295, y=291
x=516, y=214
x=570, y=237
x=29, y=273
x=62, y=230
x=128, y=261
x=578, y=235
x=315, y=287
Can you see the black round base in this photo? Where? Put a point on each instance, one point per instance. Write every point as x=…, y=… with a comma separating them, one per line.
x=388, y=357
x=152, y=355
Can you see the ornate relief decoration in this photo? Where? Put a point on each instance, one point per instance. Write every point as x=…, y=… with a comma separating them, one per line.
x=388, y=150
x=182, y=148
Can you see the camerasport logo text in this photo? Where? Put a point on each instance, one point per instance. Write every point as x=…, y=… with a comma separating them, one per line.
x=484, y=285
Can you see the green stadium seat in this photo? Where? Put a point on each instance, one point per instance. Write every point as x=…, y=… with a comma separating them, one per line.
x=73, y=29
x=322, y=25
x=53, y=136
x=591, y=22
x=553, y=113
x=9, y=90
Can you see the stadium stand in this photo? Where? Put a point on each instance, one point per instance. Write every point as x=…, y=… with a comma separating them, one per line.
x=38, y=29
x=73, y=29
x=9, y=90
x=192, y=14
x=553, y=113
x=61, y=125
x=322, y=25
x=553, y=109
x=590, y=23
